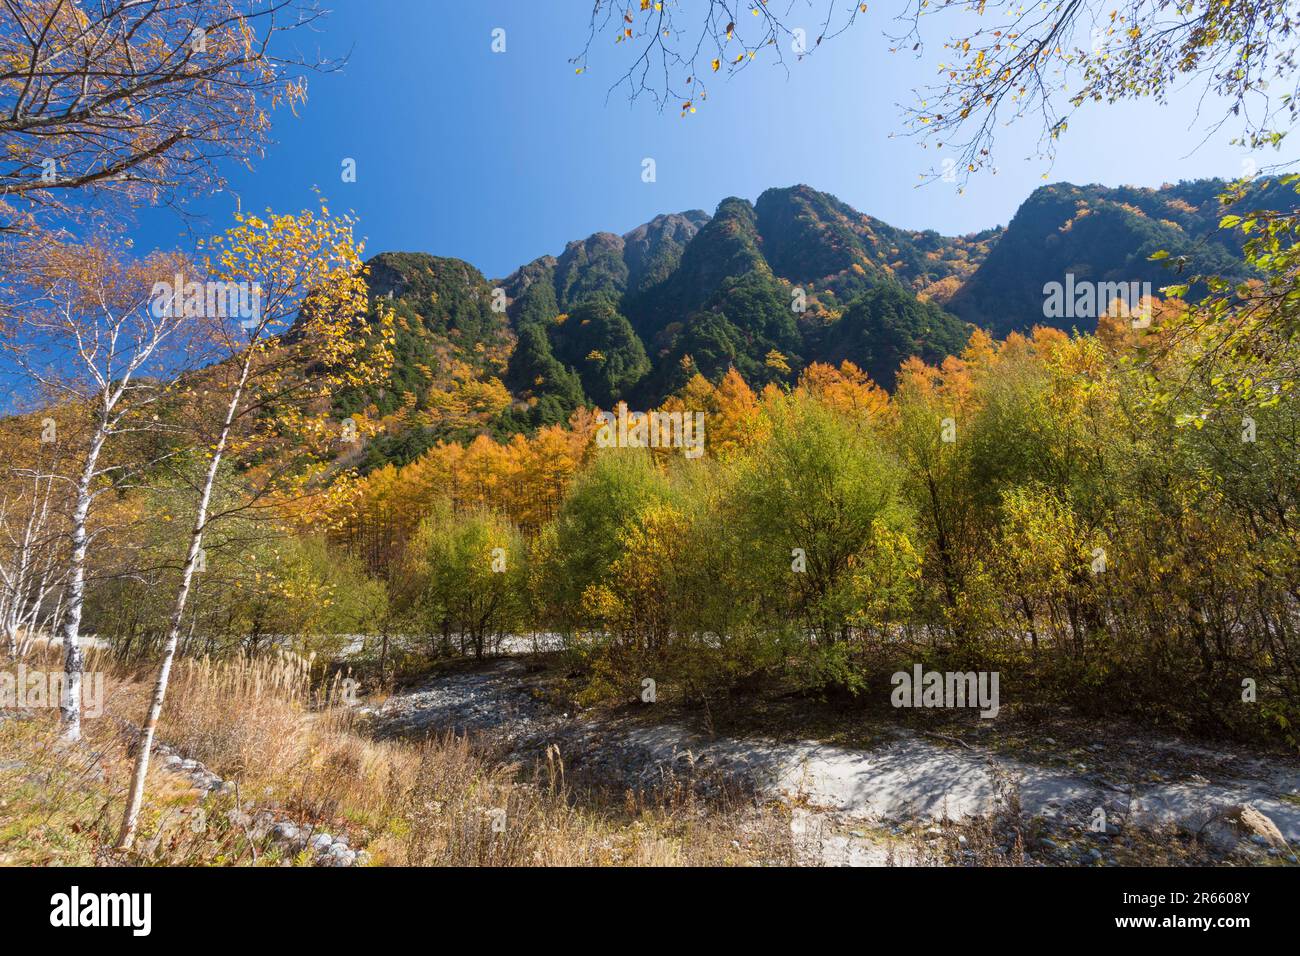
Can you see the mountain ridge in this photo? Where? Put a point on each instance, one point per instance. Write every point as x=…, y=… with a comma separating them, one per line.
x=768, y=287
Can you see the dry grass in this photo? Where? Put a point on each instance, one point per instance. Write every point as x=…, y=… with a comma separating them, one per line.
x=62, y=804
x=295, y=750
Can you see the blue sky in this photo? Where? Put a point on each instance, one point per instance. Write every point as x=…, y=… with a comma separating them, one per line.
x=498, y=158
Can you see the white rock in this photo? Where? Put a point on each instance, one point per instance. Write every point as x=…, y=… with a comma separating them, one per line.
x=284, y=831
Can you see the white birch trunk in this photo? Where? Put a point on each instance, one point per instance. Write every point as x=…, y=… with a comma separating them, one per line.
x=70, y=702
x=131, y=816
x=25, y=586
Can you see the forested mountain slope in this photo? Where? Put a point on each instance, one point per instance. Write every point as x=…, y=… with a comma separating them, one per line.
x=767, y=288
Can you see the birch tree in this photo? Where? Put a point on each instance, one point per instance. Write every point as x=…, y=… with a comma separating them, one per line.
x=29, y=539
x=310, y=336
x=92, y=337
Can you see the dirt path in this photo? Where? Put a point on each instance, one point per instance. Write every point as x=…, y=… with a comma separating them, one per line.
x=1084, y=800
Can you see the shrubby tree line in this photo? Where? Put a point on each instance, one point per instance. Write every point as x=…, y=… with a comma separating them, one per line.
x=1100, y=517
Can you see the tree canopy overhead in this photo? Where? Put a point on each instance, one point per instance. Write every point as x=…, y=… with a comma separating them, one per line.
x=143, y=101
x=1042, y=62
x=676, y=48
x=1002, y=61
